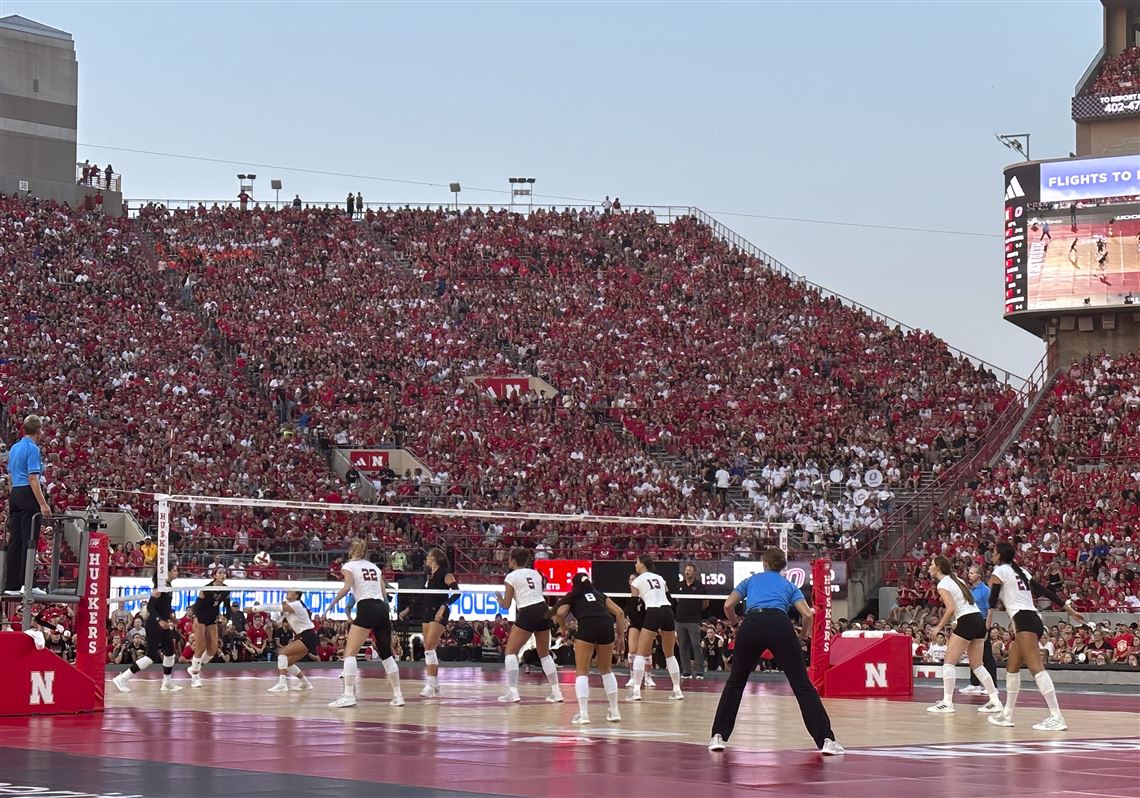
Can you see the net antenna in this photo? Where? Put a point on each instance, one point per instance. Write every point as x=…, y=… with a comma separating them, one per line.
x=164, y=501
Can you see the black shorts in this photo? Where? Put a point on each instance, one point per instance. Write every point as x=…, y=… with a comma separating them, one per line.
x=427, y=614
x=533, y=618
x=373, y=614
x=971, y=626
x=599, y=631
x=206, y=619
x=1029, y=621
x=309, y=638
x=636, y=621
x=659, y=619
x=159, y=642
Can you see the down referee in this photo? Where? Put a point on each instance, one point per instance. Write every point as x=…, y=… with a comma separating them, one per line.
x=769, y=597
x=25, y=500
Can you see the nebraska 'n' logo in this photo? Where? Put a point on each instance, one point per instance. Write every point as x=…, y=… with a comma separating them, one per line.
x=876, y=674
x=43, y=688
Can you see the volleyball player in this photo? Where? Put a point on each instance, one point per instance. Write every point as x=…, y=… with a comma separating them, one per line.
x=434, y=610
x=207, y=607
x=160, y=637
x=363, y=579
x=770, y=597
x=969, y=636
x=596, y=615
x=524, y=587
x=635, y=614
x=302, y=646
x=1016, y=589
x=651, y=589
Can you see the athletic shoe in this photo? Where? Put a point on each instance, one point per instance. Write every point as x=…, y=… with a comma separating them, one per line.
x=397, y=701
x=972, y=689
x=991, y=706
x=429, y=692
x=580, y=719
x=121, y=683
x=942, y=707
x=170, y=687
x=677, y=695
x=634, y=695
x=343, y=701
x=698, y=676
x=303, y=684
x=716, y=743
x=555, y=697
x=686, y=676
x=613, y=716
x=510, y=697
x=195, y=680
x=1001, y=719
x=649, y=681
x=280, y=687
x=832, y=748
x=1051, y=723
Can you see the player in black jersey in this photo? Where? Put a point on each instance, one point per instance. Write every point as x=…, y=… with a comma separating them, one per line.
x=635, y=614
x=160, y=638
x=207, y=607
x=433, y=610
x=596, y=614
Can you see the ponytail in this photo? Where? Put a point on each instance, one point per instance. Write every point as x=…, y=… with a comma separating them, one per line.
x=1006, y=553
x=943, y=565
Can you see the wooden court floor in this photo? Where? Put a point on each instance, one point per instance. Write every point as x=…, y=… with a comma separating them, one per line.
x=467, y=744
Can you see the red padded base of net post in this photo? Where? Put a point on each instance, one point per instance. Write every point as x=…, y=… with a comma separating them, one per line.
x=870, y=665
x=37, y=682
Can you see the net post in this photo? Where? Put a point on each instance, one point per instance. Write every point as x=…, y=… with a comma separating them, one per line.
x=784, y=540
x=821, y=622
x=162, y=564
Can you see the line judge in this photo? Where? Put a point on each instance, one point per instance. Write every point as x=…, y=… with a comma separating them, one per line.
x=25, y=500
x=769, y=598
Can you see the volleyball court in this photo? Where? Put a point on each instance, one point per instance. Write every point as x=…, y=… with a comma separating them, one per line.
x=66, y=731
x=1095, y=262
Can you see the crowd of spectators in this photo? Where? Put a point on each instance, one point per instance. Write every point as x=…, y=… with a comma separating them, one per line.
x=1119, y=73
x=1067, y=491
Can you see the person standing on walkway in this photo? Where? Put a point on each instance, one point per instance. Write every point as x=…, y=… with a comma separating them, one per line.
x=24, y=501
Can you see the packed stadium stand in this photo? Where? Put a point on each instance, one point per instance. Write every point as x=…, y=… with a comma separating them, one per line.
x=1119, y=73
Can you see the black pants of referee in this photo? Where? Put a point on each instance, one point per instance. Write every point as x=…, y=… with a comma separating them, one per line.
x=771, y=630
x=988, y=662
x=22, y=505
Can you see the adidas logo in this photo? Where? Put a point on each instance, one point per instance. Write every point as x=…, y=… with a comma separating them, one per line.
x=1013, y=190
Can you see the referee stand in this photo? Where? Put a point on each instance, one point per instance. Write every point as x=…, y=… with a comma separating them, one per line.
x=37, y=681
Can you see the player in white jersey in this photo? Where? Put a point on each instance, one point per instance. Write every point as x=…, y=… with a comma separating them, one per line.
x=303, y=645
x=969, y=636
x=1016, y=589
x=365, y=581
x=524, y=587
x=651, y=589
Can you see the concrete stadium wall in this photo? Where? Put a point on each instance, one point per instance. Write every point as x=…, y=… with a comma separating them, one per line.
x=1074, y=344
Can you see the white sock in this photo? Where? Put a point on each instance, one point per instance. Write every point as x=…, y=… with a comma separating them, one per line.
x=1012, y=688
x=987, y=682
x=433, y=682
x=610, y=685
x=392, y=671
x=674, y=669
x=195, y=662
x=949, y=677
x=551, y=671
x=512, y=665
x=638, y=671
x=1045, y=685
x=582, y=691
x=350, y=676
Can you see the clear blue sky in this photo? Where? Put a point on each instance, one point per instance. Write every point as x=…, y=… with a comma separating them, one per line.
x=879, y=113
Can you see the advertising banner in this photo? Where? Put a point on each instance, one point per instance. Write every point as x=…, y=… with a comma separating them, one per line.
x=1090, y=178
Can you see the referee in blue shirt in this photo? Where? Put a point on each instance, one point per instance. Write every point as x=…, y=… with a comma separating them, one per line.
x=25, y=500
x=981, y=592
x=769, y=597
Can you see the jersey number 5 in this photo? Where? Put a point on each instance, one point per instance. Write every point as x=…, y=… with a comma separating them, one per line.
x=530, y=583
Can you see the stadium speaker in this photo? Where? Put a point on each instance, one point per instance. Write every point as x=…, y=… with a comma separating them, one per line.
x=1068, y=323
x=1108, y=322
x=1085, y=323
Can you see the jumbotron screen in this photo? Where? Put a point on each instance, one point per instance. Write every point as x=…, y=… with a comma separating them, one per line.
x=1072, y=234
